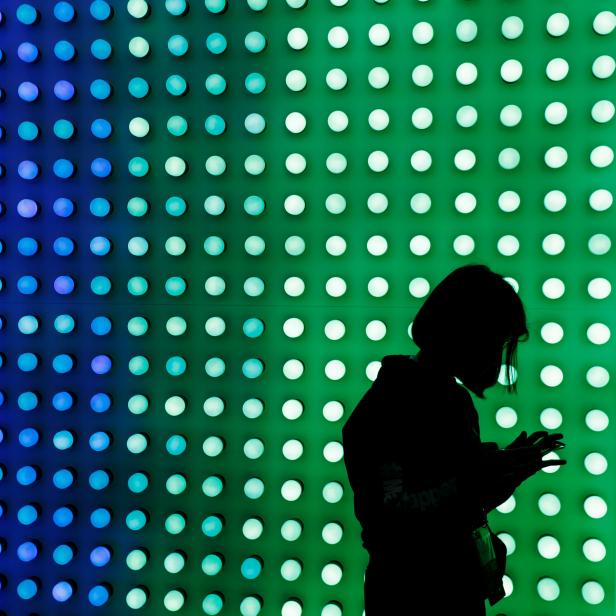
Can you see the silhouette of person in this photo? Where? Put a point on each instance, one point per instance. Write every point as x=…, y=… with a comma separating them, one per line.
x=422, y=480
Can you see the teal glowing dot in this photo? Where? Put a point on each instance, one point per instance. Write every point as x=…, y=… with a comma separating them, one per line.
x=175, y=405
x=138, y=47
x=253, y=327
x=175, y=166
x=216, y=43
x=254, y=42
x=137, y=285
x=99, y=480
x=26, y=589
x=99, y=441
x=64, y=51
x=27, y=515
x=213, y=446
x=100, y=49
x=214, y=245
x=176, y=484
x=63, y=129
x=62, y=363
x=215, y=285
x=136, y=598
x=136, y=520
x=211, y=564
x=27, y=324
x=100, y=518
x=138, y=87
x=176, y=85
x=212, y=604
x=175, y=286
x=215, y=165
x=26, y=14
x=138, y=166
x=63, y=168
x=251, y=568
x=254, y=205
x=63, y=479
x=63, y=440
x=136, y=559
x=177, y=125
x=137, y=443
x=176, y=445
x=254, y=123
x=175, y=246
x=214, y=205
x=212, y=486
x=100, y=285
x=177, y=45
x=215, y=326
x=100, y=207
x=138, y=365
x=63, y=554
x=250, y=606
x=27, y=285
x=175, y=7
x=100, y=10
x=215, y=6
x=138, y=246
x=255, y=83
x=138, y=482
x=176, y=326
x=175, y=206
x=254, y=488
x=215, y=125
x=138, y=404
x=254, y=164
x=174, y=600
x=256, y=5
x=137, y=206
x=175, y=523
x=254, y=245
x=100, y=245
x=63, y=517
x=211, y=526
x=27, y=362
x=100, y=89
x=28, y=131
x=101, y=128
x=100, y=326
x=215, y=84
x=174, y=562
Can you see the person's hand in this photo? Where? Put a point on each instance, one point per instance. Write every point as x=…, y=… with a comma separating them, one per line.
x=546, y=442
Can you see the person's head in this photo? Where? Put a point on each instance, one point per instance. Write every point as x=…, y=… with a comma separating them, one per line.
x=466, y=323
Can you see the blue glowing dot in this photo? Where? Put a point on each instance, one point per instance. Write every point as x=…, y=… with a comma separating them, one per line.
x=27, y=285
x=27, y=52
x=99, y=441
x=100, y=49
x=63, y=207
x=27, y=551
x=100, y=285
x=100, y=326
x=253, y=327
x=63, y=554
x=175, y=7
x=101, y=128
x=100, y=89
x=216, y=42
x=254, y=42
x=63, y=285
x=136, y=520
x=62, y=363
x=63, y=440
x=28, y=437
x=254, y=205
x=100, y=10
x=62, y=591
x=98, y=595
x=63, y=516
x=177, y=45
x=100, y=556
x=27, y=91
x=64, y=51
x=176, y=445
x=64, y=11
x=64, y=323
x=28, y=131
x=27, y=515
x=64, y=90
x=99, y=480
x=62, y=400
x=63, y=246
x=99, y=206
x=138, y=87
x=63, y=479
x=255, y=83
x=215, y=125
x=215, y=84
x=175, y=206
x=27, y=169
x=27, y=362
x=63, y=168
x=63, y=129
x=100, y=403
x=27, y=246
x=26, y=475
x=215, y=6
x=101, y=167
x=100, y=517
x=26, y=14
x=27, y=401
x=251, y=568
x=101, y=364
x=26, y=589
x=176, y=85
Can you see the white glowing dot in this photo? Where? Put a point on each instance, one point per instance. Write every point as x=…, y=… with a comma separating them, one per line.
x=464, y=160
x=510, y=115
x=552, y=332
x=335, y=286
x=511, y=70
x=603, y=67
x=337, y=121
x=548, y=547
x=551, y=418
x=378, y=77
x=175, y=166
x=335, y=370
x=295, y=122
x=292, y=449
x=332, y=533
x=333, y=452
x=420, y=203
x=600, y=200
x=465, y=202
x=549, y=504
x=377, y=245
x=556, y=157
x=595, y=463
x=553, y=244
x=509, y=201
x=331, y=574
x=335, y=245
x=335, y=203
x=292, y=409
x=254, y=164
x=293, y=327
x=548, y=589
x=420, y=245
x=603, y=111
x=556, y=113
x=557, y=69
x=422, y=33
x=336, y=79
x=422, y=75
x=508, y=506
x=290, y=570
x=599, y=288
x=551, y=376
x=594, y=550
x=379, y=34
x=378, y=286
x=509, y=158
x=466, y=116
x=376, y=330
x=421, y=118
x=336, y=162
x=463, y=245
x=332, y=492
x=215, y=165
x=419, y=287
x=604, y=22
x=466, y=73
x=291, y=490
x=597, y=376
x=506, y=417
x=508, y=245
x=597, y=420
x=553, y=288
x=592, y=592
x=333, y=411
x=557, y=24
x=466, y=30
x=291, y=607
x=338, y=37
x=595, y=507
x=296, y=4
x=602, y=156
x=421, y=160
x=294, y=286
x=555, y=200
x=139, y=127
x=512, y=27
x=297, y=38
x=294, y=204
x=295, y=163
x=378, y=119
x=295, y=80
x=598, y=333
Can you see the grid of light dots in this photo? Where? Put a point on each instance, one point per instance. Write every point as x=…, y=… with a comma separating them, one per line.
x=422, y=33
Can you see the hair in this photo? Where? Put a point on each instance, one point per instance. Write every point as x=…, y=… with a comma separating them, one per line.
x=470, y=305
